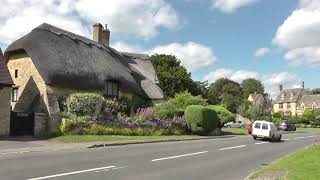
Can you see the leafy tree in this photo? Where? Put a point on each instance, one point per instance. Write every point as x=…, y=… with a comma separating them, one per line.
x=215, y=90
x=243, y=107
x=224, y=115
x=231, y=96
x=315, y=91
x=258, y=112
x=173, y=77
x=278, y=114
x=309, y=115
x=251, y=86
x=199, y=88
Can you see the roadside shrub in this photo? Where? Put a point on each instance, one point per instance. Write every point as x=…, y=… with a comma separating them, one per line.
x=167, y=110
x=200, y=119
x=276, y=121
x=224, y=115
x=68, y=125
x=133, y=103
x=184, y=99
x=83, y=104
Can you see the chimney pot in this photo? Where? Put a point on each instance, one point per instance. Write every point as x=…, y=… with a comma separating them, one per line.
x=97, y=32
x=280, y=87
x=302, y=84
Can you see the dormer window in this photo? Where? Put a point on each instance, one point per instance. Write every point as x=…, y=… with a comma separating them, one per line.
x=112, y=89
x=282, y=96
x=291, y=94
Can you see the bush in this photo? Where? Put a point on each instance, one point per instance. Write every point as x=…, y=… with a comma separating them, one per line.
x=83, y=104
x=68, y=125
x=184, y=99
x=133, y=103
x=167, y=110
x=200, y=119
x=224, y=115
x=276, y=121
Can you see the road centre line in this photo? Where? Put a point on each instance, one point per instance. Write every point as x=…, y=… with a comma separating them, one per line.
x=286, y=139
x=299, y=137
x=233, y=147
x=261, y=143
x=178, y=156
x=71, y=173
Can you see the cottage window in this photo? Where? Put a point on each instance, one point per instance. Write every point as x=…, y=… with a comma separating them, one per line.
x=281, y=105
x=288, y=105
x=282, y=96
x=15, y=94
x=112, y=89
x=16, y=73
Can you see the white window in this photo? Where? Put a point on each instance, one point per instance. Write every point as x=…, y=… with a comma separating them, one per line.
x=15, y=94
x=282, y=96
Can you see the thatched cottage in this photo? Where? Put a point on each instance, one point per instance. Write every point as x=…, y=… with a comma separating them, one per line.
x=49, y=63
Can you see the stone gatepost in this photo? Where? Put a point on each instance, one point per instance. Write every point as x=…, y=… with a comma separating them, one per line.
x=40, y=124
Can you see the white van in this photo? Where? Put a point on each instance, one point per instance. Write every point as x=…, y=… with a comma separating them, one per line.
x=265, y=130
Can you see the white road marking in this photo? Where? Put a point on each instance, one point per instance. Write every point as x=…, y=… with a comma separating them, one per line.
x=71, y=173
x=261, y=143
x=183, y=155
x=234, y=147
x=286, y=139
x=299, y=137
x=310, y=136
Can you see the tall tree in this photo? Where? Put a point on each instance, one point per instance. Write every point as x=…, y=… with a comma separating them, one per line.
x=315, y=91
x=173, y=77
x=215, y=90
x=231, y=96
x=251, y=86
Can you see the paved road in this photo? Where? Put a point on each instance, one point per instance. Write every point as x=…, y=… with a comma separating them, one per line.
x=223, y=158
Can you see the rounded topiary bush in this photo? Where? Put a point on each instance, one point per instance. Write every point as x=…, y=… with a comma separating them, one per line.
x=83, y=104
x=201, y=119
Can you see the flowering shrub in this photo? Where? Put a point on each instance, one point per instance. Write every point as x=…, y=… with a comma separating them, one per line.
x=144, y=114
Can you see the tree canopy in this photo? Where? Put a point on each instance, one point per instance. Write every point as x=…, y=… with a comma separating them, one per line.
x=315, y=91
x=251, y=86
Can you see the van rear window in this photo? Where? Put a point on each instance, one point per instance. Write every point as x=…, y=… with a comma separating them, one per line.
x=257, y=125
x=265, y=126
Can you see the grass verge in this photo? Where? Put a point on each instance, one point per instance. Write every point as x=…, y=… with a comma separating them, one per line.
x=234, y=131
x=304, y=164
x=121, y=139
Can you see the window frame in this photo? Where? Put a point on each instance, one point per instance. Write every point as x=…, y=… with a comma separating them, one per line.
x=280, y=105
x=288, y=105
x=16, y=73
x=112, y=89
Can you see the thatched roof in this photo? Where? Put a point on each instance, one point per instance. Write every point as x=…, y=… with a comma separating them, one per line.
x=5, y=78
x=69, y=60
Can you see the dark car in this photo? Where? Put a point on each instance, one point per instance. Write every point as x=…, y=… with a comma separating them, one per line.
x=287, y=125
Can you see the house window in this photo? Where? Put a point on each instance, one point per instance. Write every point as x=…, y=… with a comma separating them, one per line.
x=281, y=105
x=112, y=89
x=15, y=94
x=282, y=96
x=16, y=73
x=288, y=105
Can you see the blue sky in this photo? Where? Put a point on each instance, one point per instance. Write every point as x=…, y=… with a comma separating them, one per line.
x=274, y=41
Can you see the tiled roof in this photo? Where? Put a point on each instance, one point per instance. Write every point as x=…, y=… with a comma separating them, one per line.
x=290, y=95
x=309, y=100
x=5, y=78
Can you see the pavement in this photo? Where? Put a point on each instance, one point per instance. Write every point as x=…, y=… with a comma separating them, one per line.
x=222, y=158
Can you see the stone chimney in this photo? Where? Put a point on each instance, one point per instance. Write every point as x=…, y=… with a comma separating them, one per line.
x=101, y=34
x=106, y=36
x=280, y=87
x=302, y=84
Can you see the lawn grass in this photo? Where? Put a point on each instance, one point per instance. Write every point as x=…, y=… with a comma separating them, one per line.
x=308, y=129
x=304, y=164
x=234, y=131
x=121, y=139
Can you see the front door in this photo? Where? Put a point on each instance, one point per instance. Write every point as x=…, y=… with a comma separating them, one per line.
x=21, y=124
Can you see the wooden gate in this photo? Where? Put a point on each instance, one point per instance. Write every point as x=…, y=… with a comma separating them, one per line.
x=21, y=124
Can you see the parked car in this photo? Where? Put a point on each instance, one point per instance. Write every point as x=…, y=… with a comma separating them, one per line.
x=265, y=130
x=250, y=128
x=287, y=126
x=235, y=124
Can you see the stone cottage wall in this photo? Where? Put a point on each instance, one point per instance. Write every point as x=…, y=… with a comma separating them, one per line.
x=5, y=97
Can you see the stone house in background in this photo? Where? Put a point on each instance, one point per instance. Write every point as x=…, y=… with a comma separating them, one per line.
x=310, y=102
x=294, y=101
x=49, y=63
x=5, y=97
x=257, y=99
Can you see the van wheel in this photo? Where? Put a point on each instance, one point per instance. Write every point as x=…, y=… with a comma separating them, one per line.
x=279, y=139
x=273, y=139
x=254, y=137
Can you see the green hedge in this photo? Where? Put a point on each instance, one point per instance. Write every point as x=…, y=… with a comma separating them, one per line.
x=167, y=110
x=224, y=115
x=201, y=119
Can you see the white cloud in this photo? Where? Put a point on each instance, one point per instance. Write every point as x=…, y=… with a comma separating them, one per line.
x=271, y=82
x=193, y=56
x=140, y=18
x=229, y=6
x=262, y=52
x=299, y=34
